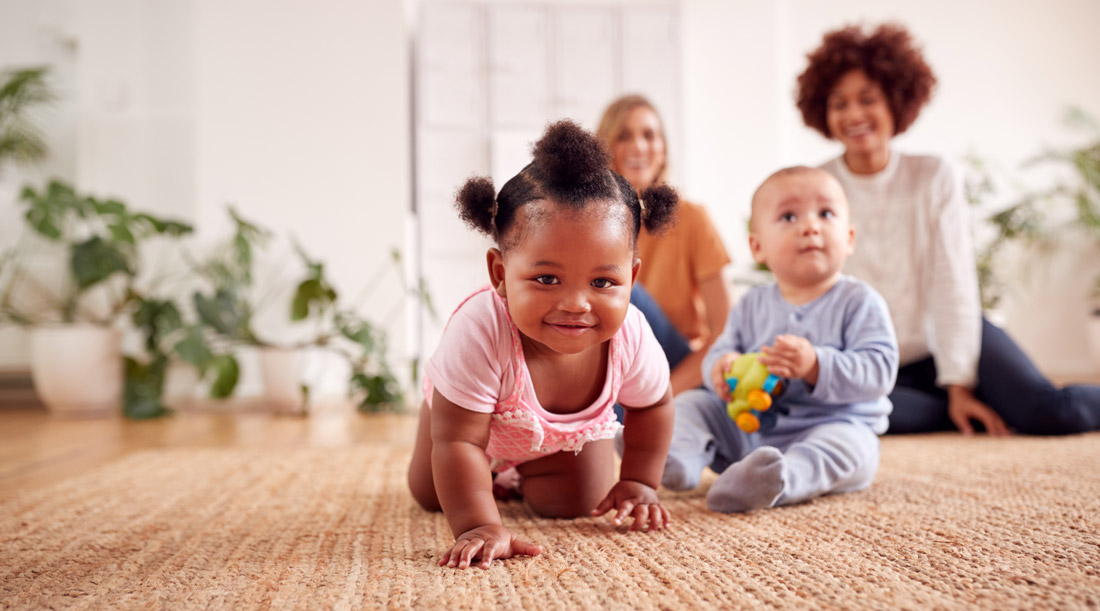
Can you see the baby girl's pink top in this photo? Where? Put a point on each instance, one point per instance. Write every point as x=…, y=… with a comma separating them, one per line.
x=479, y=365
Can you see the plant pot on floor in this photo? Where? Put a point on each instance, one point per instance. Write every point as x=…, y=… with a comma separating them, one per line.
x=281, y=369
x=78, y=369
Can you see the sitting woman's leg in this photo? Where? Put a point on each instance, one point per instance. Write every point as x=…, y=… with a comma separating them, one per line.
x=919, y=405
x=672, y=342
x=568, y=485
x=1010, y=384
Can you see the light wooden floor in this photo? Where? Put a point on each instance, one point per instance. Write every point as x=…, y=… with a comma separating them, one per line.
x=37, y=449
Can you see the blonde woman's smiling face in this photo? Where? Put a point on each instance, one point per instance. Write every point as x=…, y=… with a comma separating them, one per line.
x=639, y=148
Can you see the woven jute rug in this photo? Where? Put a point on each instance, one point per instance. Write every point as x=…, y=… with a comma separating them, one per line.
x=949, y=523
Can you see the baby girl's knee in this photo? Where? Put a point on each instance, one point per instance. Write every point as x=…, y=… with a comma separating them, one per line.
x=548, y=504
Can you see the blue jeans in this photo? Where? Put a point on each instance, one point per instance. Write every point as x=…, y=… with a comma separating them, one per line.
x=674, y=345
x=1007, y=382
x=672, y=342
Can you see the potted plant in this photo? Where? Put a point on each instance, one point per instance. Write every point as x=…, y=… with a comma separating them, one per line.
x=1079, y=190
x=76, y=359
x=228, y=309
x=1020, y=222
x=1041, y=219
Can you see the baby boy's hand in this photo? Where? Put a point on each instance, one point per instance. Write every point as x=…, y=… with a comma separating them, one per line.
x=791, y=357
x=486, y=542
x=718, y=375
x=631, y=498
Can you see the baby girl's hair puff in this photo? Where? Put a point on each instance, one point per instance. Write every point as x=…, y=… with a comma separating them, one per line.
x=571, y=167
x=476, y=202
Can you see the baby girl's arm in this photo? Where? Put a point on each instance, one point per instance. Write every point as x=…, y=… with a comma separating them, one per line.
x=464, y=485
x=647, y=434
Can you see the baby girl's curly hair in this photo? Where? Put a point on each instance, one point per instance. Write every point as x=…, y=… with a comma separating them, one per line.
x=571, y=168
x=889, y=57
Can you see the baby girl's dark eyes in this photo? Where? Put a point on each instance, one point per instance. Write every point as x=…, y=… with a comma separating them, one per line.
x=603, y=283
x=546, y=279
x=828, y=214
x=787, y=217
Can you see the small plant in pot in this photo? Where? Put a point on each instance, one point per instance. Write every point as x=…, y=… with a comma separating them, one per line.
x=74, y=312
x=1044, y=220
x=228, y=309
x=1079, y=189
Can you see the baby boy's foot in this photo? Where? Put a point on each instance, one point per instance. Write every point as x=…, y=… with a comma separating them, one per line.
x=754, y=482
x=682, y=473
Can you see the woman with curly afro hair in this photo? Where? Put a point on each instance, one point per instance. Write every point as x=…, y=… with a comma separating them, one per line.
x=862, y=88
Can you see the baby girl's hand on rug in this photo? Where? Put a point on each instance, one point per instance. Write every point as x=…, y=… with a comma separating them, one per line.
x=791, y=357
x=486, y=542
x=635, y=499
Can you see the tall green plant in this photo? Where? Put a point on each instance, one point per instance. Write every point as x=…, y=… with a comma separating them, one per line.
x=21, y=91
x=1031, y=220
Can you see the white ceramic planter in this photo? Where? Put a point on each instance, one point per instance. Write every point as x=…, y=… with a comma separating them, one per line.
x=77, y=369
x=281, y=369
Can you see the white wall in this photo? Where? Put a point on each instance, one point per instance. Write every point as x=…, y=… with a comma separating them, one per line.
x=1006, y=69
x=299, y=114
x=296, y=114
x=35, y=33
x=302, y=123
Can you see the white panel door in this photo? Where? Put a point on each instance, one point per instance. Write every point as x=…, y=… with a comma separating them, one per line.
x=585, y=57
x=450, y=66
x=651, y=61
x=519, y=67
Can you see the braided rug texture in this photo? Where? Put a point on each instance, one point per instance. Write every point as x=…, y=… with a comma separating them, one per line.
x=949, y=523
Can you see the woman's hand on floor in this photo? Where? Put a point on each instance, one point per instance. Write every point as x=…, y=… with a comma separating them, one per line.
x=637, y=500
x=963, y=407
x=486, y=543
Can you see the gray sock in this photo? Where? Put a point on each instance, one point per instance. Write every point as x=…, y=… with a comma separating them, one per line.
x=683, y=473
x=754, y=482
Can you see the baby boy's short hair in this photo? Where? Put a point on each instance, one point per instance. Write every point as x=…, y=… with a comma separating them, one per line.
x=794, y=170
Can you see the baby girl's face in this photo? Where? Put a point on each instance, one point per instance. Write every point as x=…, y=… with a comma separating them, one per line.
x=568, y=275
x=800, y=228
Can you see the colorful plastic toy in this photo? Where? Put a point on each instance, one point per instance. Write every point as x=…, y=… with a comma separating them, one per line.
x=752, y=387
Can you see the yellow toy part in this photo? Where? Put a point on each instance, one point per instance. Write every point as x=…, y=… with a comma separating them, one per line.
x=752, y=387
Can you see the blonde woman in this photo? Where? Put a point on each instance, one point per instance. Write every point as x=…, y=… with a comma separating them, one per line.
x=679, y=288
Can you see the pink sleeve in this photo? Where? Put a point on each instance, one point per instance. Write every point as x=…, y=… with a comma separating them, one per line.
x=467, y=367
x=645, y=368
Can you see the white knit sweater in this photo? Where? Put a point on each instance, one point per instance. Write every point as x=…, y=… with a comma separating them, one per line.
x=913, y=245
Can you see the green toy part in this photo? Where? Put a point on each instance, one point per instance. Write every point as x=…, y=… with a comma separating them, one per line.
x=752, y=387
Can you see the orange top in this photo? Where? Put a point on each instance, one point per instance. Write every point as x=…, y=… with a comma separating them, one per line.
x=674, y=264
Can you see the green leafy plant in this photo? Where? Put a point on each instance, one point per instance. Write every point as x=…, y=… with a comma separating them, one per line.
x=101, y=241
x=1020, y=222
x=1033, y=220
x=1080, y=189
x=21, y=91
x=228, y=306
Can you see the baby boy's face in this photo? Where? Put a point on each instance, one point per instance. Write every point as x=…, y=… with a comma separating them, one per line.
x=800, y=227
